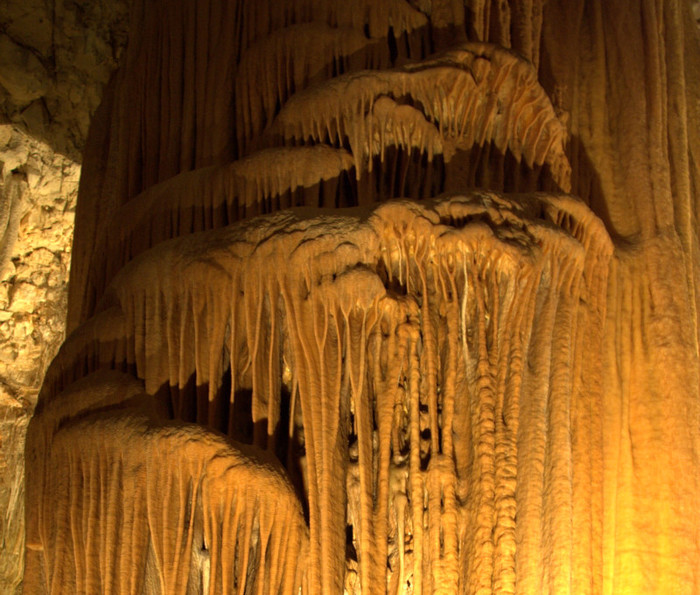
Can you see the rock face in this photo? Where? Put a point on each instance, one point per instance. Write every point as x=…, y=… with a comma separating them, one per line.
x=54, y=60
x=383, y=297
x=38, y=191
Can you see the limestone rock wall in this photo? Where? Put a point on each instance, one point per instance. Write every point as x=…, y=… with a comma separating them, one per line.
x=38, y=189
x=55, y=58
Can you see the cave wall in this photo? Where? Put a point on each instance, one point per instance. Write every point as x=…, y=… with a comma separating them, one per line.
x=39, y=193
x=631, y=158
x=55, y=58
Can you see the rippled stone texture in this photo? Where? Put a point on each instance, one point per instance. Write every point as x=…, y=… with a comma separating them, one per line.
x=347, y=314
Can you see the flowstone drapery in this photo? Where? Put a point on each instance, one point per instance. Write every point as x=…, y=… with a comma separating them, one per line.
x=348, y=316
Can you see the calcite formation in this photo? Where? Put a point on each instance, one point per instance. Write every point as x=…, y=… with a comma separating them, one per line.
x=381, y=297
x=389, y=348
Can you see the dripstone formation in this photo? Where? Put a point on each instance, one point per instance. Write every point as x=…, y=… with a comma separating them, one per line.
x=381, y=297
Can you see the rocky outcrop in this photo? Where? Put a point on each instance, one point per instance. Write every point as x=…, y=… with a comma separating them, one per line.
x=38, y=191
x=55, y=58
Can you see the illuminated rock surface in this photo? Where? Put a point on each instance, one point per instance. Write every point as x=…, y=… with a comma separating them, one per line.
x=362, y=299
x=54, y=59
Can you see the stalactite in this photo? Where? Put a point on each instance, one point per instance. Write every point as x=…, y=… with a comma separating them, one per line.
x=212, y=197
x=112, y=537
x=448, y=353
x=258, y=99
x=473, y=95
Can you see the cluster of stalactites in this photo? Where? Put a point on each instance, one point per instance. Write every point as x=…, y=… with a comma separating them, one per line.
x=413, y=126
x=467, y=97
x=123, y=503
x=404, y=342
x=437, y=118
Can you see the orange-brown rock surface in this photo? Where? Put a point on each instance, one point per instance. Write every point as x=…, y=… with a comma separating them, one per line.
x=381, y=297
